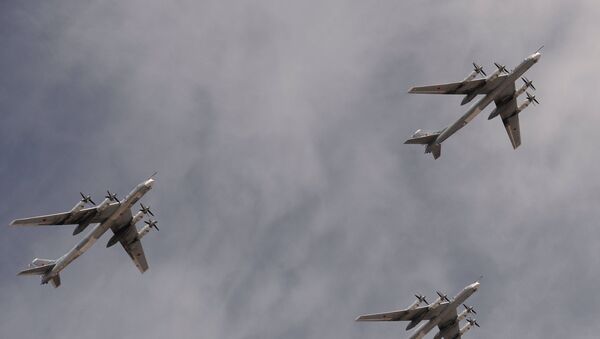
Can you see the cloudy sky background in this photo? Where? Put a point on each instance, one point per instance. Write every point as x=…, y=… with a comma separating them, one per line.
x=287, y=202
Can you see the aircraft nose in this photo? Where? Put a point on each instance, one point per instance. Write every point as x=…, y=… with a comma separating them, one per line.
x=536, y=56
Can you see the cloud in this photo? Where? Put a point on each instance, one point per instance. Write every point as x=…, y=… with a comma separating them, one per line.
x=287, y=202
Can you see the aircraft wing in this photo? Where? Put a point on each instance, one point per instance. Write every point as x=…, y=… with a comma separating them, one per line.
x=424, y=313
x=132, y=245
x=514, y=131
x=90, y=215
x=449, y=326
x=479, y=86
x=509, y=118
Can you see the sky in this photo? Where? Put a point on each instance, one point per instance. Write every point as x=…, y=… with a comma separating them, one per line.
x=286, y=200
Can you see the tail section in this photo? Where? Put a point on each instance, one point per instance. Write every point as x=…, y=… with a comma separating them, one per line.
x=421, y=137
x=42, y=267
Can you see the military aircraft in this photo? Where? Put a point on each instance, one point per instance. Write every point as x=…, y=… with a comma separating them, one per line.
x=111, y=213
x=499, y=87
x=441, y=313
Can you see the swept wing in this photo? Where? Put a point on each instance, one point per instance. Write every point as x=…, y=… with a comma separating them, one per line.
x=128, y=237
x=423, y=313
x=85, y=215
x=506, y=103
x=478, y=86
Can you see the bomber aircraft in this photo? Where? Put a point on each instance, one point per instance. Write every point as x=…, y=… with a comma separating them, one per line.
x=441, y=313
x=499, y=87
x=111, y=213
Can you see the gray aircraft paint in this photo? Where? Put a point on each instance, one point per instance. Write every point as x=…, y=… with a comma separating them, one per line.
x=459, y=299
x=433, y=140
x=122, y=214
x=486, y=100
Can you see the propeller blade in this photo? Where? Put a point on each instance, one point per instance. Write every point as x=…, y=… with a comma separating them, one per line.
x=470, y=309
x=473, y=322
x=152, y=223
x=528, y=83
x=421, y=298
x=478, y=69
x=146, y=209
x=86, y=199
x=502, y=68
x=112, y=196
x=532, y=98
x=442, y=296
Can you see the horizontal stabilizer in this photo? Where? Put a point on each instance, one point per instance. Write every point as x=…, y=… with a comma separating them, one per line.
x=37, y=270
x=423, y=137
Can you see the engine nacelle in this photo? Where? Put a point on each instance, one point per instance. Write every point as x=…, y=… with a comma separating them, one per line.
x=465, y=329
x=78, y=207
x=145, y=230
x=137, y=217
x=523, y=106
x=103, y=205
x=471, y=76
x=521, y=90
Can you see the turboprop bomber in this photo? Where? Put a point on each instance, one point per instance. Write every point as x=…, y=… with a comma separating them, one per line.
x=499, y=87
x=442, y=313
x=111, y=213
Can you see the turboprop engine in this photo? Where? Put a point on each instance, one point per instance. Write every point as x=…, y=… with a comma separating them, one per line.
x=470, y=324
x=85, y=199
x=500, y=110
x=441, y=298
x=146, y=229
x=468, y=310
x=476, y=70
x=500, y=69
x=530, y=99
x=420, y=299
x=462, y=331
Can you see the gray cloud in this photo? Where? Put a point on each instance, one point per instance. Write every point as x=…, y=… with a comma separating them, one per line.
x=287, y=201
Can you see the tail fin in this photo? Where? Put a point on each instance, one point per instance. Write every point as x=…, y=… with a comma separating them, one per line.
x=421, y=137
x=42, y=267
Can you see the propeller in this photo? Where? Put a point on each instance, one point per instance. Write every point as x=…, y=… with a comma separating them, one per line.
x=531, y=98
x=470, y=309
x=528, y=83
x=152, y=223
x=478, y=69
x=442, y=296
x=112, y=196
x=473, y=322
x=502, y=68
x=145, y=209
x=421, y=298
x=87, y=199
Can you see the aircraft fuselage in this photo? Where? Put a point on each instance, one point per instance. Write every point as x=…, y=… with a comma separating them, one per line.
x=487, y=99
x=122, y=215
x=460, y=298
